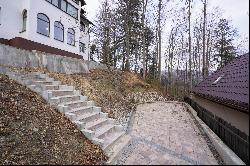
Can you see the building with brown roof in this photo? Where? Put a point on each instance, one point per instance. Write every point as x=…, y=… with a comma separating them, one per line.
x=226, y=93
x=222, y=102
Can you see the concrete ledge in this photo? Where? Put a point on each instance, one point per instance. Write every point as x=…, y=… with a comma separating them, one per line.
x=228, y=156
x=118, y=149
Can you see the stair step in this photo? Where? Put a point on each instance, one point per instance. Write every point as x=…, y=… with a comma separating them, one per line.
x=77, y=104
x=93, y=125
x=73, y=102
x=40, y=82
x=89, y=119
x=36, y=74
x=90, y=116
x=112, y=138
x=63, y=99
x=51, y=87
x=82, y=110
x=56, y=93
x=115, y=150
x=31, y=78
x=102, y=131
x=28, y=76
x=40, y=88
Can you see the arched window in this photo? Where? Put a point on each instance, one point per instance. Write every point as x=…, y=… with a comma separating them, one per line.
x=24, y=20
x=43, y=24
x=58, y=31
x=71, y=37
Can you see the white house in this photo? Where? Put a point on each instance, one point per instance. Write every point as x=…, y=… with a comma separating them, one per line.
x=53, y=26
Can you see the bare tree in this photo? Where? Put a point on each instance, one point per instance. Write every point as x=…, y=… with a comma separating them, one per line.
x=189, y=44
x=143, y=37
x=159, y=37
x=204, y=58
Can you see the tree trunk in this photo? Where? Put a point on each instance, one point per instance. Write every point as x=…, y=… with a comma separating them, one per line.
x=143, y=38
x=157, y=52
x=204, y=68
x=159, y=37
x=207, y=55
x=127, y=36
x=189, y=41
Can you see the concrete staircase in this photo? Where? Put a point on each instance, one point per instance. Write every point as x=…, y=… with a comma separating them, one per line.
x=92, y=122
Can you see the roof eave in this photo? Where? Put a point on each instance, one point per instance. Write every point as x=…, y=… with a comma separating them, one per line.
x=242, y=107
x=83, y=17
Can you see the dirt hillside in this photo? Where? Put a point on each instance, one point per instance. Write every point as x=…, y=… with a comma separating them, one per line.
x=116, y=92
x=32, y=132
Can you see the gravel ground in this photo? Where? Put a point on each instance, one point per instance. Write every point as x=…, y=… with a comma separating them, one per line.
x=209, y=143
x=166, y=133
x=32, y=132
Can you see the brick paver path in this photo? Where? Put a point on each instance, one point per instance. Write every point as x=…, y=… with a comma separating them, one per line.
x=165, y=133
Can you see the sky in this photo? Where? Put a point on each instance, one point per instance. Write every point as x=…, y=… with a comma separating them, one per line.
x=236, y=10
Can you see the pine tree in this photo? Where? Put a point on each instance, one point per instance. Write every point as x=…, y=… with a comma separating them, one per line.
x=224, y=46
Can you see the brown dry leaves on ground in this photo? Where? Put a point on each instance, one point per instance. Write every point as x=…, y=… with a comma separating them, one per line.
x=32, y=132
x=116, y=92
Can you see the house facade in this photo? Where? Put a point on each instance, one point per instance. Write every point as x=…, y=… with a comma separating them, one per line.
x=53, y=26
x=222, y=102
x=225, y=93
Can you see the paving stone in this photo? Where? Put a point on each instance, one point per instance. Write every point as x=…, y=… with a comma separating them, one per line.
x=166, y=134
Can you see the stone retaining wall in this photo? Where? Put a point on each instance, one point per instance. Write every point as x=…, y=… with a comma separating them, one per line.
x=12, y=56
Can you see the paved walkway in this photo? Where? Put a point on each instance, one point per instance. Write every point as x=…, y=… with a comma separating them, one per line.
x=165, y=133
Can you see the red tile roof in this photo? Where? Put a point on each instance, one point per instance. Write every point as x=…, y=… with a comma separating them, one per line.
x=232, y=86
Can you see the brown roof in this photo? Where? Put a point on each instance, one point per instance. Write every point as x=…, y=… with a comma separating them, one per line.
x=229, y=85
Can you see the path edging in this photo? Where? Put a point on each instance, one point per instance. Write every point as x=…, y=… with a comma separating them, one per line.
x=228, y=156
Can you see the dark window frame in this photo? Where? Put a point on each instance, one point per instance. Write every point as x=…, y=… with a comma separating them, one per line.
x=61, y=28
x=1, y=15
x=69, y=4
x=58, y=3
x=44, y=21
x=59, y=7
x=82, y=45
x=66, y=6
x=74, y=34
x=24, y=19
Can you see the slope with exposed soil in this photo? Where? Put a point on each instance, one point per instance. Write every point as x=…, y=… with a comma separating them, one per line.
x=117, y=92
x=32, y=132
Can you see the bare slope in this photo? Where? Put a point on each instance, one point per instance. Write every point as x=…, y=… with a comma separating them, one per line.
x=32, y=132
x=116, y=92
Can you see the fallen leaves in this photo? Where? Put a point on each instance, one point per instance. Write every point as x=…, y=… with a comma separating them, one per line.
x=32, y=132
x=115, y=91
